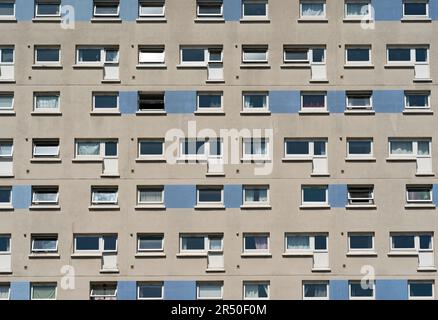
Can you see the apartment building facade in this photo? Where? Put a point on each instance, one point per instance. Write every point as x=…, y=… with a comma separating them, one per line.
x=218, y=149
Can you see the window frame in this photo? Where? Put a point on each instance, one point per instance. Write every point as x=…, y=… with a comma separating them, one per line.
x=368, y=234
x=101, y=238
x=361, y=156
x=96, y=189
x=326, y=283
x=418, y=187
x=358, y=63
x=150, y=188
x=417, y=93
x=357, y=17
x=152, y=49
x=39, y=2
x=352, y=94
x=50, y=47
x=311, y=236
x=105, y=94
x=37, y=189
x=414, y=142
x=267, y=283
x=8, y=286
x=99, y=284
x=416, y=237
x=311, y=147
x=305, y=17
x=8, y=94
x=140, y=235
x=145, y=3
x=10, y=17
x=102, y=60
x=256, y=203
x=47, y=142
x=256, y=235
x=252, y=156
x=48, y=284
x=432, y=283
x=210, y=2
x=102, y=149
x=246, y=94
x=104, y=15
x=209, y=93
x=9, y=237
x=260, y=48
x=255, y=17
x=350, y=297
x=412, y=52
x=305, y=203
x=409, y=16
x=146, y=156
x=13, y=55
x=46, y=94
x=350, y=199
x=8, y=142
x=150, y=283
x=199, y=189
x=41, y=236
x=200, y=283
x=313, y=93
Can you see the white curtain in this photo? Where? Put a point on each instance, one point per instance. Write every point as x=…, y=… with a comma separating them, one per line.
x=151, y=57
x=256, y=291
x=312, y=9
x=44, y=292
x=255, y=55
x=46, y=150
x=105, y=196
x=4, y=292
x=419, y=195
x=401, y=147
x=47, y=102
x=151, y=9
x=45, y=196
x=150, y=243
x=255, y=101
x=423, y=148
x=256, y=195
x=357, y=9
x=6, y=102
x=215, y=244
x=259, y=147
x=41, y=244
x=151, y=196
x=210, y=291
x=5, y=149
x=88, y=148
x=298, y=242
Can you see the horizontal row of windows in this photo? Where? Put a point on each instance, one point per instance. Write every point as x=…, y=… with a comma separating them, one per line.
x=212, y=101
x=359, y=243
x=213, y=9
x=213, y=290
x=254, y=196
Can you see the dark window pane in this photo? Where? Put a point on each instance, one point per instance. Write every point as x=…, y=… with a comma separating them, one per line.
x=421, y=55
x=109, y=243
x=6, y=9
x=4, y=244
x=417, y=100
x=87, y=243
x=319, y=148
x=7, y=55
x=314, y=194
x=193, y=55
x=111, y=149
x=361, y=242
x=150, y=291
x=313, y=101
x=193, y=147
x=105, y=101
x=358, y=291
x=315, y=290
x=210, y=9
x=47, y=54
x=193, y=243
x=151, y=102
x=151, y=148
x=358, y=55
x=320, y=242
x=210, y=101
x=415, y=9
x=359, y=147
x=401, y=54
x=255, y=9
x=421, y=289
x=425, y=242
x=297, y=147
x=89, y=55
x=48, y=9
x=5, y=195
x=318, y=55
x=210, y=195
x=403, y=242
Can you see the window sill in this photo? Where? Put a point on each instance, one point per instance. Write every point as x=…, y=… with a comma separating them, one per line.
x=297, y=159
x=359, y=66
x=195, y=66
x=151, y=159
x=209, y=20
x=418, y=112
x=87, y=160
x=255, y=20
x=361, y=207
x=360, y=253
x=401, y=159
x=47, y=66
x=314, y=112
x=209, y=207
x=213, y=270
x=6, y=208
x=256, y=255
x=318, y=20
x=255, y=66
x=10, y=20
x=45, y=160
x=317, y=207
x=318, y=81
x=7, y=113
x=364, y=159
x=422, y=80
x=212, y=81
x=7, y=80
x=321, y=270
x=416, y=19
x=209, y=113
x=358, y=19
x=359, y=112
x=425, y=174
x=5, y=271
x=88, y=66
x=105, y=113
x=151, y=19
x=45, y=207
x=111, y=81
x=192, y=255
x=46, y=114
x=103, y=207
x=44, y=256
x=86, y=255
x=325, y=174
x=105, y=20
x=109, y=270
x=254, y=160
x=399, y=66
x=427, y=269
x=151, y=113
x=292, y=65
x=150, y=255
x=215, y=174
x=47, y=19
x=110, y=175
x=150, y=207
x=420, y=206
x=403, y=254
x=298, y=254
x=256, y=207
x=264, y=112
x=151, y=66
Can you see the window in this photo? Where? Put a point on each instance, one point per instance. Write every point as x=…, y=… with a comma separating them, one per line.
x=7, y=10
x=47, y=55
x=256, y=195
x=211, y=195
x=359, y=290
x=103, y=291
x=6, y=101
x=4, y=287
x=419, y=194
x=44, y=243
x=151, y=55
x=200, y=56
x=255, y=148
x=106, y=8
x=90, y=149
x=255, y=101
x=209, y=101
x=7, y=55
x=193, y=243
x=360, y=195
x=105, y=101
x=209, y=8
x=256, y=243
x=416, y=9
x=358, y=55
x=304, y=55
x=5, y=197
x=298, y=148
x=150, y=291
x=42, y=196
x=313, y=101
x=104, y=195
x=315, y=290
x=357, y=100
x=97, y=55
x=403, y=148
x=417, y=100
x=421, y=290
x=201, y=243
x=407, y=55
x=255, y=290
x=314, y=195
x=45, y=148
x=150, y=195
x=299, y=242
x=46, y=8
x=411, y=242
x=357, y=9
x=151, y=148
x=151, y=102
x=6, y=148
x=209, y=290
x=43, y=291
x=254, y=9
x=150, y=243
x=5, y=243
x=360, y=242
x=199, y=149
x=312, y=9
x=151, y=9
x=95, y=243
x=46, y=102
x=255, y=54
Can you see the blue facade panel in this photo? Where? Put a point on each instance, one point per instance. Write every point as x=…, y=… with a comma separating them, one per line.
x=180, y=101
x=128, y=101
x=129, y=10
x=180, y=196
x=284, y=101
x=435, y=194
x=337, y=195
x=24, y=10
x=233, y=196
x=338, y=290
x=388, y=101
x=126, y=290
x=391, y=289
x=83, y=9
x=387, y=10
x=336, y=101
x=232, y=10
x=21, y=196
x=179, y=290
x=20, y=290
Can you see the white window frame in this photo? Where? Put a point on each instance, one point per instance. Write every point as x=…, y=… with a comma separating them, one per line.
x=260, y=187
x=35, y=190
x=209, y=2
x=94, y=189
x=101, y=284
x=414, y=143
x=357, y=17
x=9, y=142
x=200, y=283
x=427, y=15
x=350, y=297
x=206, y=243
x=8, y=94
x=360, y=156
x=10, y=244
x=13, y=55
x=245, y=2
x=311, y=237
x=416, y=237
x=413, y=93
x=250, y=156
x=7, y=204
x=38, y=237
x=256, y=251
x=370, y=234
x=409, y=201
x=39, y=2
x=202, y=203
x=309, y=50
x=100, y=93
x=257, y=48
x=141, y=188
x=139, y=284
x=10, y=17
x=209, y=93
x=102, y=60
x=358, y=63
x=201, y=156
x=101, y=248
x=195, y=63
x=265, y=94
x=326, y=283
x=309, y=156
x=46, y=94
x=102, y=147
x=32, y=285
x=351, y=94
x=37, y=62
x=45, y=155
x=152, y=49
x=431, y=282
x=139, y=250
x=412, y=60
x=303, y=203
x=350, y=199
x=322, y=17
x=103, y=3
x=145, y=3
x=8, y=285
x=313, y=93
x=146, y=156
x=267, y=283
